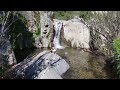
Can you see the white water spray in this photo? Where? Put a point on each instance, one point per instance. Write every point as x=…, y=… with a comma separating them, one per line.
x=56, y=41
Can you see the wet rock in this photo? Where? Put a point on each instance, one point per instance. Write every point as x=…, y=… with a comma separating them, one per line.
x=57, y=33
x=45, y=65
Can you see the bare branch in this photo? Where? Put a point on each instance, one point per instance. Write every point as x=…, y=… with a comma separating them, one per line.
x=5, y=18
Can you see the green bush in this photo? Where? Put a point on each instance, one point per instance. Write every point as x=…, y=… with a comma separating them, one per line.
x=116, y=46
x=66, y=15
x=86, y=15
x=63, y=15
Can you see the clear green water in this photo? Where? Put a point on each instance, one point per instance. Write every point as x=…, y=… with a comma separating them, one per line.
x=83, y=65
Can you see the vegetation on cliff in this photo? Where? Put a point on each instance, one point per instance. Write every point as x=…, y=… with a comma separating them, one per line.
x=116, y=45
x=66, y=15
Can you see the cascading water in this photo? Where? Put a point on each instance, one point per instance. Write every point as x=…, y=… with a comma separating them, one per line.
x=56, y=41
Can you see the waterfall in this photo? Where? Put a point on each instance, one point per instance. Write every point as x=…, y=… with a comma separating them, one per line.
x=56, y=41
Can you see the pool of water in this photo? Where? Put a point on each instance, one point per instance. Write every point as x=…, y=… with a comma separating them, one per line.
x=83, y=65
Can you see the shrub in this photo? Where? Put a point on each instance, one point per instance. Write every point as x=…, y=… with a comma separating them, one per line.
x=116, y=46
x=86, y=15
x=66, y=15
x=63, y=15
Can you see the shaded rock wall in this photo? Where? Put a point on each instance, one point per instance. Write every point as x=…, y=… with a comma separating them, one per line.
x=6, y=51
x=33, y=24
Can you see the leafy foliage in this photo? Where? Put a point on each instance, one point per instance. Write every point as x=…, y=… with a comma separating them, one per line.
x=66, y=15
x=116, y=45
x=63, y=15
x=86, y=15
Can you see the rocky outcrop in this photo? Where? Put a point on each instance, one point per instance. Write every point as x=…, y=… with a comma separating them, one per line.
x=41, y=25
x=45, y=65
x=33, y=20
x=46, y=28
x=7, y=56
x=76, y=33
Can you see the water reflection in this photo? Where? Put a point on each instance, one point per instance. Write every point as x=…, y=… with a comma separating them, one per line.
x=83, y=65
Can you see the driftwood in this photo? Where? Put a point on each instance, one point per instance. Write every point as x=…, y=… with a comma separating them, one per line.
x=45, y=65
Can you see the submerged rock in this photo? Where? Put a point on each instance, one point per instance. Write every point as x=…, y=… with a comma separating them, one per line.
x=45, y=65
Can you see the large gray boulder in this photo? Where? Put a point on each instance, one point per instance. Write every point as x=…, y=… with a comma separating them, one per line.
x=75, y=32
x=45, y=65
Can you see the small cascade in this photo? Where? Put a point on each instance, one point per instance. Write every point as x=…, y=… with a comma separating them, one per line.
x=56, y=41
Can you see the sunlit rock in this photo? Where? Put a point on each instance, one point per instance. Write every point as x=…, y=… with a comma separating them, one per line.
x=75, y=32
x=45, y=65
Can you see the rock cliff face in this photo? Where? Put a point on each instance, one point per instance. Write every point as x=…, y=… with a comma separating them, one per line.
x=41, y=25
x=33, y=24
x=7, y=56
x=76, y=33
x=46, y=28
